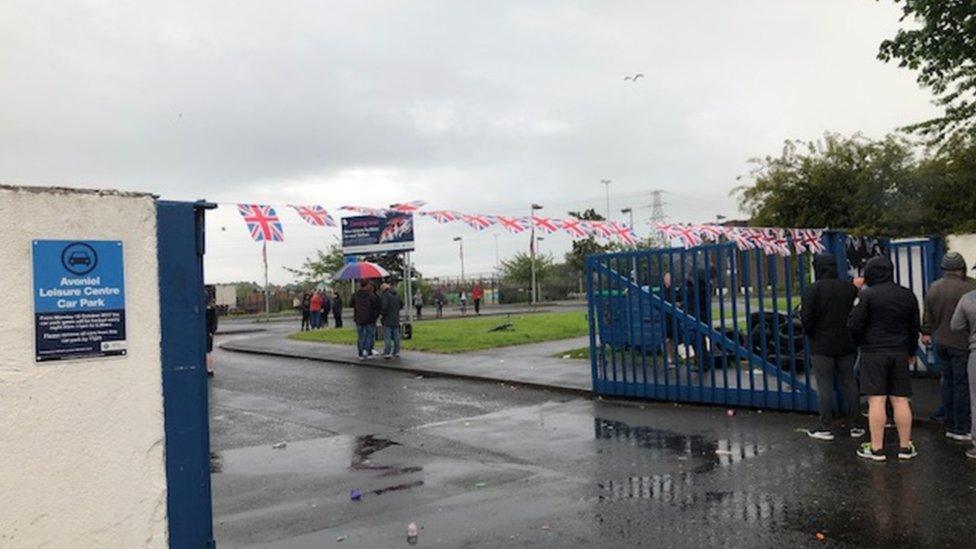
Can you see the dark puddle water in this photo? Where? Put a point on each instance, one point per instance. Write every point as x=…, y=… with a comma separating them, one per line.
x=679, y=490
x=363, y=450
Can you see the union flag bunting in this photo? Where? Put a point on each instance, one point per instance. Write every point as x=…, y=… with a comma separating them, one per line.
x=740, y=238
x=513, y=225
x=477, y=222
x=408, y=207
x=545, y=224
x=807, y=240
x=711, y=232
x=597, y=228
x=442, y=216
x=574, y=227
x=262, y=222
x=314, y=215
x=624, y=233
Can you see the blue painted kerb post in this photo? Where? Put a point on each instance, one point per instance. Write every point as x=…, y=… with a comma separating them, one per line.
x=180, y=248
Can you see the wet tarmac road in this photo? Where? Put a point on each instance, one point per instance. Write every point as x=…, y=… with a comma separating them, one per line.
x=487, y=465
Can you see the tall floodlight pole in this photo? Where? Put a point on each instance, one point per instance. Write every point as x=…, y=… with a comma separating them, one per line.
x=532, y=290
x=606, y=183
x=657, y=216
x=460, y=242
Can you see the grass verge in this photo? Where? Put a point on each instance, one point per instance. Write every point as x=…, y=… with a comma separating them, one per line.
x=459, y=335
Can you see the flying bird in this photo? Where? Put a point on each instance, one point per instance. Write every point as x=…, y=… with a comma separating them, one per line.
x=635, y=77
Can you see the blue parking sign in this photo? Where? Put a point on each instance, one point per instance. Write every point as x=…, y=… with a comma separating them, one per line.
x=79, y=299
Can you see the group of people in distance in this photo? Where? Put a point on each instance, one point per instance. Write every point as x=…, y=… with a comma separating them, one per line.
x=315, y=308
x=872, y=325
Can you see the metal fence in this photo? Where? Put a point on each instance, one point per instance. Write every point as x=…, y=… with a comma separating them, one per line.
x=714, y=324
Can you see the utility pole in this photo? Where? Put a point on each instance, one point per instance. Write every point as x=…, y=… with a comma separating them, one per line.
x=532, y=290
x=606, y=183
x=657, y=215
x=460, y=242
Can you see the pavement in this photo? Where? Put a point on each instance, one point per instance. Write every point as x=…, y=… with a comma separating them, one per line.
x=481, y=464
x=530, y=365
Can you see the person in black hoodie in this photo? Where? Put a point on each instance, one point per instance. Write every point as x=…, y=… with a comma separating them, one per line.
x=365, y=309
x=885, y=324
x=826, y=305
x=337, y=308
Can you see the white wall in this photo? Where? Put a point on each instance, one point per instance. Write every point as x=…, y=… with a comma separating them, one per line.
x=81, y=442
x=964, y=244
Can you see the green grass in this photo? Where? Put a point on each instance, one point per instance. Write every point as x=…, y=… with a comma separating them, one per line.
x=458, y=335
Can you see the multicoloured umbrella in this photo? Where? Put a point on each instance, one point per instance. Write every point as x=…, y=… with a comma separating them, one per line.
x=360, y=270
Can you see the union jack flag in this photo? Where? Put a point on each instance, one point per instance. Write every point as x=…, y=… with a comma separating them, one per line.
x=514, y=225
x=574, y=227
x=711, y=232
x=688, y=234
x=545, y=224
x=315, y=215
x=807, y=240
x=408, y=207
x=597, y=228
x=262, y=221
x=624, y=233
x=442, y=216
x=477, y=222
x=741, y=238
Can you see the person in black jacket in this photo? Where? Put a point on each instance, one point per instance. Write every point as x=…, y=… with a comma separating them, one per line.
x=825, y=307
x=390, y=305
x=885, y=324
x=365, y=309
x=211, y=325
x=337, y=309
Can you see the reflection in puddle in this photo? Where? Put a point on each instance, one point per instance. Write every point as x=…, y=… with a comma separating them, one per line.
x=363, y=449
x=714, y=452
x=679, y=490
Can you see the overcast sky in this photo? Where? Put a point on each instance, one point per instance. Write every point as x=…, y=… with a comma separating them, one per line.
x=477, y=106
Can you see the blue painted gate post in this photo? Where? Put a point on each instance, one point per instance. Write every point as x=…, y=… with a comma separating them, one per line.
x=180, y=228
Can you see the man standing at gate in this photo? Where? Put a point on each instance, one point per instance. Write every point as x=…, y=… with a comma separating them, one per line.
x=365, y=309
x=885, y=324
x=951, y=346
x=964, y=318
x=826, y=305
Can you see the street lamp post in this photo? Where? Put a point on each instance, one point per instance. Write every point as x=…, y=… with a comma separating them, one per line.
x=532, y=290
x=606, y=183
x=631, y=212
x=460, y=242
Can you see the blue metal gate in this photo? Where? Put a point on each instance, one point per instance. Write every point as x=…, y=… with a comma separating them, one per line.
x=180, y=231
x=714, y=324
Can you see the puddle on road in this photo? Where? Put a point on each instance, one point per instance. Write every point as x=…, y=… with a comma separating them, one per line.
x=364, y=447
x=712, y=453
x=679, y=490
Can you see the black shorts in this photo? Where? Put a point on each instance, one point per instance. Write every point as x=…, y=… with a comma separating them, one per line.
x=884, y=374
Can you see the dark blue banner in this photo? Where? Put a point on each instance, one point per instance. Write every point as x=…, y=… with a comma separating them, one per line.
x=366, y=234
x=79, y=299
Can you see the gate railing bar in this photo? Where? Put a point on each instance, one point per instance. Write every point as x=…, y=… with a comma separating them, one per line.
x=774, y=284
x=711, y=332
x=592, y=308
x=761, y=284
x=720, y=268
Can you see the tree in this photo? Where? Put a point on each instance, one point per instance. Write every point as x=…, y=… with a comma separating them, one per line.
x=582, y=247
x=316, y=270
x=839, y=182
x=882, y=188
x=519, y=268
x=943, y=50
x=320, y=268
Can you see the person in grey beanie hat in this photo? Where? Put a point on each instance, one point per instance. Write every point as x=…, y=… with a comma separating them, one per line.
x=951, y=346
